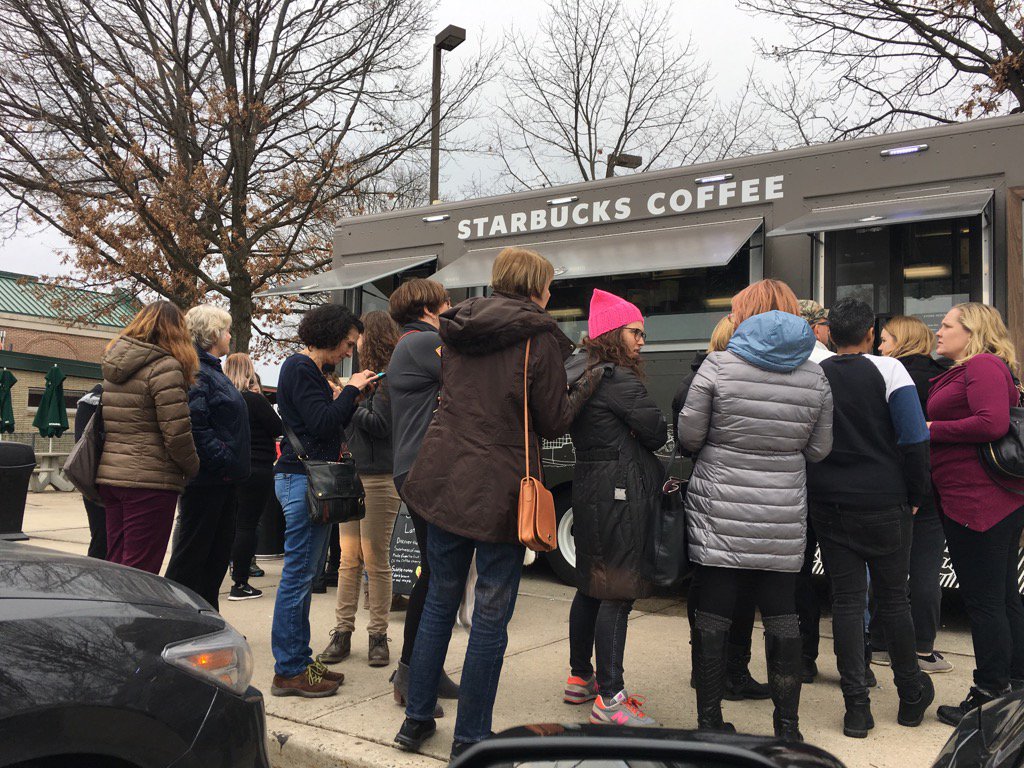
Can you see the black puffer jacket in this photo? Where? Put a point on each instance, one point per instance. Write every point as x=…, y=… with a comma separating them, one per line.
x=220, y=425
x=369, y=434
x=616, y=482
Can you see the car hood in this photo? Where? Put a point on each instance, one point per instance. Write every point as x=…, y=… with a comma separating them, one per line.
x=988, y=737
x=28, y=572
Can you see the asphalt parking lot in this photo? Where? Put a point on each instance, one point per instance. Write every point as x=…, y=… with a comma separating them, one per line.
x=356, y=726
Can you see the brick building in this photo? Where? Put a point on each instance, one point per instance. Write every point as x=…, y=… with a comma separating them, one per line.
x=42, y=325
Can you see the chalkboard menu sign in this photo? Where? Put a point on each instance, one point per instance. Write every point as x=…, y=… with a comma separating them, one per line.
x=405, y=555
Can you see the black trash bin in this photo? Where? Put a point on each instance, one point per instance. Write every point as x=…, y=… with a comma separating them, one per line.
x=270, y=531
x=17, y=461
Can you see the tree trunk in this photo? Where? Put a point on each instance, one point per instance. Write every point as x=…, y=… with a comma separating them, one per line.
x=241, y=319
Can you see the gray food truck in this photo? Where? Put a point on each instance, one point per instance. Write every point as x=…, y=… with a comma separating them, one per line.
x=912, y=223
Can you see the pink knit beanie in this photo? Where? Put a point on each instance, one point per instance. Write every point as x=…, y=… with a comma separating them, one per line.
x=608, y=312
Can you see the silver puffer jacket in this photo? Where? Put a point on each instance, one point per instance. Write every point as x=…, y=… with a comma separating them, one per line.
x=755, y=414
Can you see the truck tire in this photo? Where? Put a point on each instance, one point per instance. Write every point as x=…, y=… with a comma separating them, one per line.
x=563, y=559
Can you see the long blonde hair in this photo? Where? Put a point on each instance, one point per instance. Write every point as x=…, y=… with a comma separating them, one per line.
x=721, y=335
x=239, y=368
x=987, y=333
x=910, y=336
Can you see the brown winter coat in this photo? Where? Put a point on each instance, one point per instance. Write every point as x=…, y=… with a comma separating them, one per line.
x=146, y=419
x=467, y=474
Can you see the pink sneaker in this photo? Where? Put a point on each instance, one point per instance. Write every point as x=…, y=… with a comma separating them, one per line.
x=621, y=710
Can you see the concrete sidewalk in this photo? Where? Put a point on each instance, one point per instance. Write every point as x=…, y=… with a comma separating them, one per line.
x=356, y=727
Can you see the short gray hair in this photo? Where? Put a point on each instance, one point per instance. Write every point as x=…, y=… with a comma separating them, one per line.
x=206, y=323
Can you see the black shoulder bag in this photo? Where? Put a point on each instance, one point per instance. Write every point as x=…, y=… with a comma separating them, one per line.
x=666, y=560
x=1004, y=458
x=334, y=493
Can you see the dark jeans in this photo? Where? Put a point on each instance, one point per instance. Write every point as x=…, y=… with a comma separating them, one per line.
x=721, y=590
x=97, y=515
x=926, y=553
x=808, y=606
x=202, y=543
x=499, y=567
x=986, y=568
x=253, y=495
x=742, y=629
x=850, y=539
x=599, y=627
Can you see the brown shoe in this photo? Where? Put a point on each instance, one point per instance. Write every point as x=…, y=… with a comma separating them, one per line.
x=380, y=655
x=338, y=649
x=334, y=677
x=310, y=684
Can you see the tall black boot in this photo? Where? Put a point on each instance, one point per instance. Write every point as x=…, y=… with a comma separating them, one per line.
x=782, y=647
x=739, y=684
x=710, y=640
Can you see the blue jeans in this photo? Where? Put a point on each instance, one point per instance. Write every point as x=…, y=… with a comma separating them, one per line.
x=304, y=543
x=499, y=567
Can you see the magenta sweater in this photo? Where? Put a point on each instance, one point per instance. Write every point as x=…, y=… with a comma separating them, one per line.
x=969, y=405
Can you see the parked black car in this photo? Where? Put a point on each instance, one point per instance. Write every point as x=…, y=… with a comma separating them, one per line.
x=102, y=665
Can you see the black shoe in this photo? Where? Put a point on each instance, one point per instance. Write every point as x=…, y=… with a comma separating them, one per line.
x=976, y=698
x=784, y=677
x=255, y=572
x=414, y=732
x=244, y=592
x=319, y=587
x=710, y=640
x=338, y=649
x=911, y=713
x=858, y=720
x=869, y=677
x=808, y=670
x=458, y=747
x=739, y=685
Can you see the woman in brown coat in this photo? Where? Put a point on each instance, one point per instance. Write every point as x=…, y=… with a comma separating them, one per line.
x=465, y=482
x=148, y=454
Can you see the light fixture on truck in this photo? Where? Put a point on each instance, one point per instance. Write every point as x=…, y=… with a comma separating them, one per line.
x=563, y=200
x=718, y=302
x=910, y=149
x=436, y=218
x=713, y=179
x=926, y=272
x=867, y=219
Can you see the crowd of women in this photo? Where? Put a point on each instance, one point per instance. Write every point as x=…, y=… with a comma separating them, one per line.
x=778, y=464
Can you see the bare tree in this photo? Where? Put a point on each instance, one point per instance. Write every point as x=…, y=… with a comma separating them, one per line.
x=191, y=148
x=890, y=65
x=602, y=77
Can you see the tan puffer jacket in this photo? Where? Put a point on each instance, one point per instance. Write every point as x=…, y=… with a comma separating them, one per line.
x=146, y=419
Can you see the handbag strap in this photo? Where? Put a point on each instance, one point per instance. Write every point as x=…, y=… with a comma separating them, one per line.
x=297, y=446
x=526, y=408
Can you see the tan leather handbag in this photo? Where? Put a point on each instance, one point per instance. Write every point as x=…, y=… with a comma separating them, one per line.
x=537, y=523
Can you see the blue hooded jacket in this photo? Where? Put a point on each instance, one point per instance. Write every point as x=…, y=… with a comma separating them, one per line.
x=773, y=341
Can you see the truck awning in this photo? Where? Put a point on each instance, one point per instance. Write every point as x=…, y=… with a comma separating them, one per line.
x=656, y=250
x=348, y=276
x=885, y=212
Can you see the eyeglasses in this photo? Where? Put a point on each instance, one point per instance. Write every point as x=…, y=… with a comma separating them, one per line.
x=638, y=334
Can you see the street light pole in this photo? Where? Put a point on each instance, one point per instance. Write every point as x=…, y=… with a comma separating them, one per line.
x=447, y=40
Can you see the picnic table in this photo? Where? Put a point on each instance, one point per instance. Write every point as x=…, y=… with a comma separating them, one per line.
x=48, y=472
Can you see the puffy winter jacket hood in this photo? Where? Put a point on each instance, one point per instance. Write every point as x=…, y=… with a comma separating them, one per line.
x=576, y=366
x=127, y=356
x=773, y=341
x=483, y=325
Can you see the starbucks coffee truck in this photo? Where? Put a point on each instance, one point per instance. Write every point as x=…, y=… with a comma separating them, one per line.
x=912, y=223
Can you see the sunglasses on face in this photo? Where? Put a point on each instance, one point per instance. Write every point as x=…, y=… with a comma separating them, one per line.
x=638, y=334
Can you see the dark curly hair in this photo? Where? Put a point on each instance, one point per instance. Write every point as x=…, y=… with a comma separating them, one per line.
x=379, y=340
x=610, y=348
x=326, y=326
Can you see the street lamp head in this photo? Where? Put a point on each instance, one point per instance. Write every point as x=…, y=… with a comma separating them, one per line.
x=623, y=160
x=450, y=38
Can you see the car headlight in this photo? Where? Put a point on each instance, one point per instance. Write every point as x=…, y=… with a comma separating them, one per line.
x=223, y=658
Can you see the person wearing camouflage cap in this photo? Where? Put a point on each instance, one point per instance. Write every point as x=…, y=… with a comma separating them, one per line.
x=817, y=317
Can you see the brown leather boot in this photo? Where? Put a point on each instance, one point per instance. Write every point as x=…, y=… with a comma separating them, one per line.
x=380, y=655
x=310, y=684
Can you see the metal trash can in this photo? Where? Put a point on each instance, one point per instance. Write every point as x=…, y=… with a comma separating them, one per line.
x=270, y=531
x=17, y=461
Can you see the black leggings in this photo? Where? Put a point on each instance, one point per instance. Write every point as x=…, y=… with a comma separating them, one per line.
x=418, y=595
x=742, y=629
x=721, y=590
x=599, y=626
x=97, y=515
x=253, y=495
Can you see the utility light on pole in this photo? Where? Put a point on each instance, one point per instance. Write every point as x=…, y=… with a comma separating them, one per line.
x=622, y=160
x=450, y=38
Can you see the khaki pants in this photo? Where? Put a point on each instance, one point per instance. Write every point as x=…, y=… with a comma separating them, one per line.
x=366, y=544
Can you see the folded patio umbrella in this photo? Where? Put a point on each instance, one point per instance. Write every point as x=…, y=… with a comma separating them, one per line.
x=52, y=417
x=7, y=381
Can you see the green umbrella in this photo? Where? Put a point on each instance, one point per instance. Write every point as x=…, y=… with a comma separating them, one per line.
x=52, y=417
x=7, y=381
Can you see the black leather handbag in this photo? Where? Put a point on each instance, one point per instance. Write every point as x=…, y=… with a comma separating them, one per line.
x=666, y=561
x=334, y=493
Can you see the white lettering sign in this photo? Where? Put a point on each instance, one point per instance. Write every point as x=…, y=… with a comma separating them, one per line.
x=660, y=203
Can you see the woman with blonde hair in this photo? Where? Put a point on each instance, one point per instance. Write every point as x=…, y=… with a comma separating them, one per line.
x=220, y=427
x=754, y=415
x=911, y=342
x=255, y=491
x=983, y=515
x=148, y=453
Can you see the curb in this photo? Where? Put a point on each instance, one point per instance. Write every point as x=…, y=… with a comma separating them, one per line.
x=296, y=745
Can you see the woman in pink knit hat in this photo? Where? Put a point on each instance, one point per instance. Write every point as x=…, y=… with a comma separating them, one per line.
x=616, y=487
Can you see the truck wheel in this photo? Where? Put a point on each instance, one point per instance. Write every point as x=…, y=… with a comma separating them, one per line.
x=563, y=559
